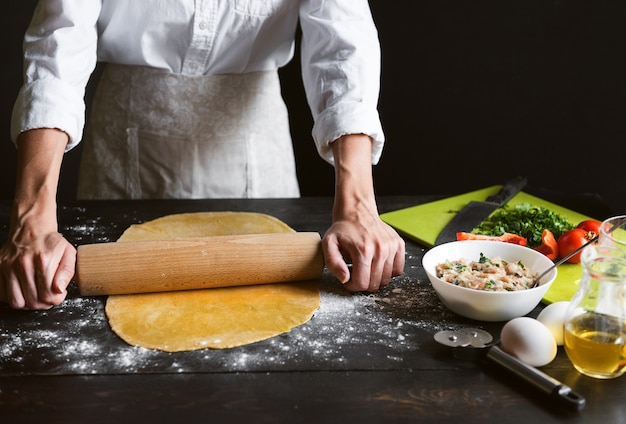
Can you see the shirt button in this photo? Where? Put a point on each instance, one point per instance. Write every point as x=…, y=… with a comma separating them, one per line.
x=196, y=69
x=203, y=25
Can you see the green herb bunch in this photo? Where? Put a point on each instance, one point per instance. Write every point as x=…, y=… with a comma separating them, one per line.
x=524, y=220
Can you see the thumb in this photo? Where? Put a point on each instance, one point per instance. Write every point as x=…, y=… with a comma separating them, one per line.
x=65, y=271
x=335, y=262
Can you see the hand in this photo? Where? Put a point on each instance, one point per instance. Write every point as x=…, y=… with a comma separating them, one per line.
x=375, y=250
x=36, y=262
x=35, y=274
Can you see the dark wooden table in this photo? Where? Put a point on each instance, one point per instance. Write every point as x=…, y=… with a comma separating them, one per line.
x=361, y=358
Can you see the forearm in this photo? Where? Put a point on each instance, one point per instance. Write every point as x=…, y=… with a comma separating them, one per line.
x=354, y=188
x=39, y=156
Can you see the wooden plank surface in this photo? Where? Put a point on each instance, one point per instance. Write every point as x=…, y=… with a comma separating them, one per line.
x=370, y=358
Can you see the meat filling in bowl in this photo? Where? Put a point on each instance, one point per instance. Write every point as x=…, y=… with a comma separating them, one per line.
x=491, y=274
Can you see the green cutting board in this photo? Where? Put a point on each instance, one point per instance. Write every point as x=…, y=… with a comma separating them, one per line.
x=423, y=223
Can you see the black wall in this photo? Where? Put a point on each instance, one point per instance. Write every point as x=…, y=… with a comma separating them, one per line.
x=473, y=92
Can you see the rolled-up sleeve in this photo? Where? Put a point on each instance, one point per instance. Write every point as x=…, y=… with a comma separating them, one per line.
x=60, y=53
x=341, y=71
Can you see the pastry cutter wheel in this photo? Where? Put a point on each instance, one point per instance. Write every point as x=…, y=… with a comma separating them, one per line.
x=473, y=343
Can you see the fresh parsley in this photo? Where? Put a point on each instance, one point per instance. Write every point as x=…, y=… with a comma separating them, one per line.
x=524, y=220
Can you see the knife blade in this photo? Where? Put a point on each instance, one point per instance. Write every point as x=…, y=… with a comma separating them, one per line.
x=476, y=212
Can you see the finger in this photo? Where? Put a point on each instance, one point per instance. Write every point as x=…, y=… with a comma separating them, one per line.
x=377, y=272
x=24, y=284
x=334, y=260
x=399, y=258
x=43, y=277
x=387, y=273
x=383, y=266
x=14, y=294
x=65, y=271
x=360, y=276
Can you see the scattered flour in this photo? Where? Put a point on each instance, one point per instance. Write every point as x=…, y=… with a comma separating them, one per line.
x=348, y=331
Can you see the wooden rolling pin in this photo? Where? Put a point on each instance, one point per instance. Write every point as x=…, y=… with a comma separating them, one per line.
x=197, y=263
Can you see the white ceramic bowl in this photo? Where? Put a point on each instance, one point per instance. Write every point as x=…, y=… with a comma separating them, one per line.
x=481, y=304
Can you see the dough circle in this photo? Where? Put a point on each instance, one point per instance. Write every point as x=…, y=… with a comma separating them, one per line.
x=214, y=318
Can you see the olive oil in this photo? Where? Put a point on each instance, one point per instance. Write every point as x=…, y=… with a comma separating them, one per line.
x=596, y=345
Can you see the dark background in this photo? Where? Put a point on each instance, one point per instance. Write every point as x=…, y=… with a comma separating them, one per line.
x=472, y=93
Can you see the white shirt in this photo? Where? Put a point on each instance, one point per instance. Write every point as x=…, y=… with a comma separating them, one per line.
x=340, y=55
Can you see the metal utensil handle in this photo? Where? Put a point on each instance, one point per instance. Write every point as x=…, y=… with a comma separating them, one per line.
x=548, y=385
x=508, y=190
x=563, y=260
x=578, y=249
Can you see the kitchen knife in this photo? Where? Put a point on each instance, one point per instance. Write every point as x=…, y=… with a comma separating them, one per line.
x=476, y=212
x=197, y=263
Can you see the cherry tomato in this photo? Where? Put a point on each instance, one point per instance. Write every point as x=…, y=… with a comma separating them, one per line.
x=506, y=237
x=549, y=245
x=591, y=226
x=572, y=240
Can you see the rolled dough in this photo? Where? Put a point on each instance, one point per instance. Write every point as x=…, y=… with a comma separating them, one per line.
x=213, y=318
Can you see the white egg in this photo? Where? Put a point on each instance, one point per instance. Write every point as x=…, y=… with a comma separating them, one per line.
x=529, y=341
x=553, y=317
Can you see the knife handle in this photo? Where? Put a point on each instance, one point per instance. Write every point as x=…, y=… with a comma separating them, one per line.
x=561, y=393
x=197, y=263
x=508, y=190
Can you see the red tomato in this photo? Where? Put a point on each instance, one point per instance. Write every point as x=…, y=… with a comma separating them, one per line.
x=572, y=240
x=506, y=237
x=549, y=245
x=591, y=226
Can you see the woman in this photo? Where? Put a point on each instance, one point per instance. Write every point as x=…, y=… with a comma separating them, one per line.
x=189, y=106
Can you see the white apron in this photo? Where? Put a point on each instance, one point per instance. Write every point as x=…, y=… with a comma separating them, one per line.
x=155, y=134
